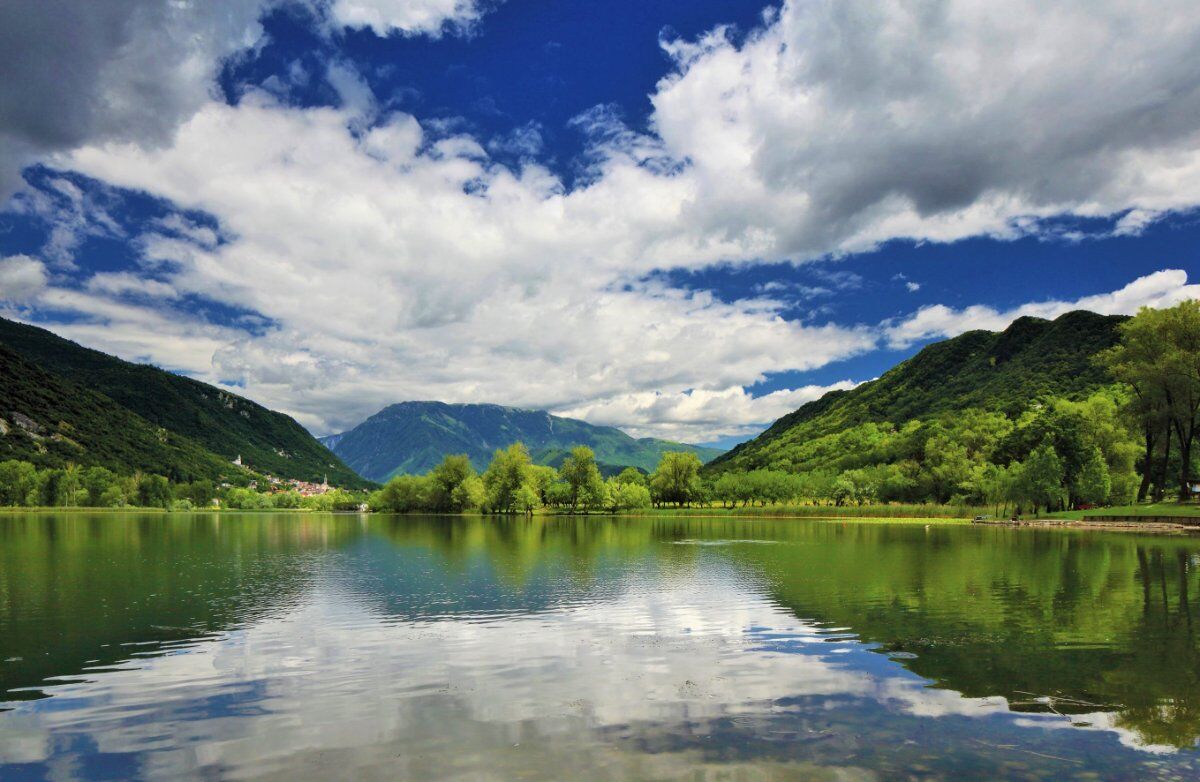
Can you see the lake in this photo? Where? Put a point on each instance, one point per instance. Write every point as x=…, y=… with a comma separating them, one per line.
x=346, y=647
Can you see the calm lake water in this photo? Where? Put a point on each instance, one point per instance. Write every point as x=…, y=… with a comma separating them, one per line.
x=340, y=647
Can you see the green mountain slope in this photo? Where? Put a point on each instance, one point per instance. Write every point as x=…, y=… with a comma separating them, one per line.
x=51, y=422
x=1003, y=372
x=223, y=423
x=412, y=437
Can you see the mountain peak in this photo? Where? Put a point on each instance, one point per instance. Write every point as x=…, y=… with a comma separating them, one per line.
x=414, y=436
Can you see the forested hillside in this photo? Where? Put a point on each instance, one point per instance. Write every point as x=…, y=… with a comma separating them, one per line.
x=225, y=424
x=51, y=422
x=413, y=437
x=1000, y=372
x=1026, y=418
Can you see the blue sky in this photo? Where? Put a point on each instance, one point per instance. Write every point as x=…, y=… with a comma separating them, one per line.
x=682, y=218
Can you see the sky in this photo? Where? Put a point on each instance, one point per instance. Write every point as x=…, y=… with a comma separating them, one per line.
x=681, y=217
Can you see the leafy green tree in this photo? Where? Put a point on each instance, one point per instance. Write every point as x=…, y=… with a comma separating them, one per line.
x=627, y=495
x=631, y=475
x=978, y=431
x=1183, y=359
x=988, y=485
x=677, y=478
x=1041, y=478
x=1108, y=426
x=744, y=489
x=1093, y=484
x=201, y=492
x=445, y=482
x=286, y=500
x=96, y=481
x=816, y=485
x=70, y=489
x=557, y=494
x=129, y=487
x=757, y=486
x=153, y=491
x=238, y=498
x=726, y=488
x=582, y=476
x=470, y=494
x=510, y=469
x=844, y=491
x=1159, y=358
x=340, y=499
x=113, y=497
x=45, y=493
x=1013, y=485
x=543, y=477
x=900, y=482
x=526, y=499
x=318, y=502
x=1051, y=422
x=948, y=465
x=593, y=495
x=402, y=494
x=18, y=481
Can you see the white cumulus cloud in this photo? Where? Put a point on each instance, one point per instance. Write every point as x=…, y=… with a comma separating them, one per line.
x=395, y=259
x=845, y=123
x=407, y=17
x=1160, y=289
x=694, y=415
x=21, y=278
x=132, y=70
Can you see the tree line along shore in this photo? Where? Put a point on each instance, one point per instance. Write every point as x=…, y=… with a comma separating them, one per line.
x=1127, y=442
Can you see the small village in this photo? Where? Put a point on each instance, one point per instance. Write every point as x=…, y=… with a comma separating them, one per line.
x=275, y=484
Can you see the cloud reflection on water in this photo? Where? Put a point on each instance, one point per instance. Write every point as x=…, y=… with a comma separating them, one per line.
x=643, y=681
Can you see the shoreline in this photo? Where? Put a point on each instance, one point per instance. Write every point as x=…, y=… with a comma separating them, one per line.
x=1156, y=525
x=1151, y=527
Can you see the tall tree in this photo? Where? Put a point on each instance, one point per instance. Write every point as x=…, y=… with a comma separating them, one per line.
x=677, y=478
x=1159, y=358
x=446, y=482
x=582, y=476
x=1093, y=484
x=1183, y=363
x=510, y=469
x=1041, y=478
x=18, y=482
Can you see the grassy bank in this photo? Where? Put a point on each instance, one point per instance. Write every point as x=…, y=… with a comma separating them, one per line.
x=1172, y=509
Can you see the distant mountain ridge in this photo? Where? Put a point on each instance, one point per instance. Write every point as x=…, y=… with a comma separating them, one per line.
x=118, y=402
x=1003, y=371
x=413, y=437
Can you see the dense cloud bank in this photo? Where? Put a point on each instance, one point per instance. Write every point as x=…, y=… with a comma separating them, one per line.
x=395, y=259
